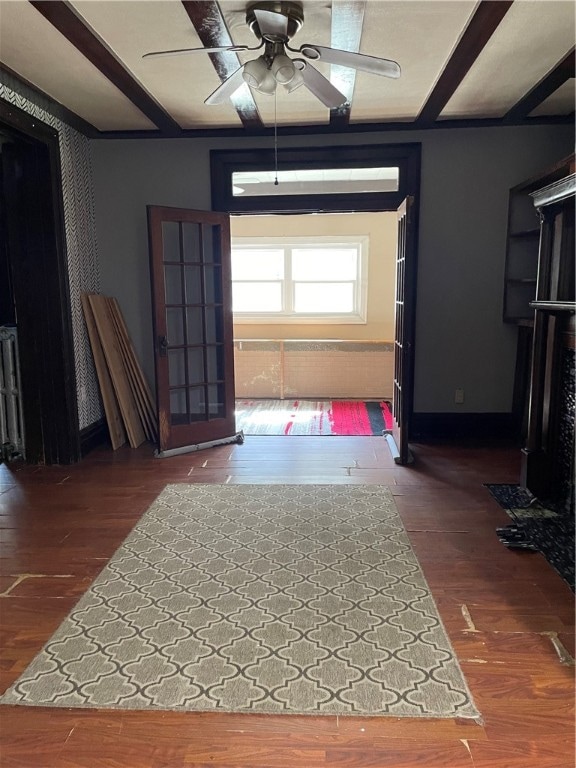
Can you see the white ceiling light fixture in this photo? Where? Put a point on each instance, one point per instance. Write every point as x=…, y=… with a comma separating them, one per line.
x=298, y=79
x=283, y=69
x=258, y=75
x=275, y=22
x=265, y=73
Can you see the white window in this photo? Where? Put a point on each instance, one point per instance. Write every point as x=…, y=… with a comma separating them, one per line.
x=276, y=280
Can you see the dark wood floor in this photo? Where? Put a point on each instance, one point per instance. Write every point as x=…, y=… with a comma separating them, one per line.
x=504, y=612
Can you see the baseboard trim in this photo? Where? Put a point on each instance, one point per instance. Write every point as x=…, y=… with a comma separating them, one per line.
x=426, y=426
x=93, y=436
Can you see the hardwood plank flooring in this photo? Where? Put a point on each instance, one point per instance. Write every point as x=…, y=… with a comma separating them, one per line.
x=506, y=612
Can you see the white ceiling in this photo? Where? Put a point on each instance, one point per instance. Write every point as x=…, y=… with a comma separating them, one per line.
x=526, y=46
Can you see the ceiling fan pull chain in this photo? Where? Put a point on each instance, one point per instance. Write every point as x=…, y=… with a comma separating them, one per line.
x=275, y=138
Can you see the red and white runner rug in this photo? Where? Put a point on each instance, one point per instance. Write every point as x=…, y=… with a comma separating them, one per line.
x=312, y=417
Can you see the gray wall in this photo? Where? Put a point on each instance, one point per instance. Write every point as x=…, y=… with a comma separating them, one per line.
x=466, y=174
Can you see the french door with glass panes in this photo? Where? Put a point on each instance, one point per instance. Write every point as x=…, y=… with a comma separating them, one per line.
x=192, y=313
x=403, y=331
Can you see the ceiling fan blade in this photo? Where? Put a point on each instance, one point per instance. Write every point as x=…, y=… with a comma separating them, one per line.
x=227, y=89
x=371, y=64
x=178, y=51
x=321, y=87
x=271, y=23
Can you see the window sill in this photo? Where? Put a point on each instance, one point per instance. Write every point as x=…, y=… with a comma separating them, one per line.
x=298, y=320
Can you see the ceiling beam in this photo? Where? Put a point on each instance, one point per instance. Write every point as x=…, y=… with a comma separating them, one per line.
x=211, y=28
x=61, y=16
x=346, y=33
x=562, y=72
x=482, y=26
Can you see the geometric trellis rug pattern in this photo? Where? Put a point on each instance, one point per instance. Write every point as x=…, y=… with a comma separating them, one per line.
x=257, y=598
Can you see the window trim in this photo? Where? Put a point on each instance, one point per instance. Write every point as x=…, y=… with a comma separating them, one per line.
x=224, y=162
x=358, y=317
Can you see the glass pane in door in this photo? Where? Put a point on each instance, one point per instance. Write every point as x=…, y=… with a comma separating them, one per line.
x=197, y=403
x=171, y=240
x=196, y=373
x=209, y=249
x=178, y=409
x=175, y=325
x=191, y=242
x=213, y=321
x=173, y=284
x=194, y=287
x=215, y=363
x=194, y=325
x=177, y=367
x=216, y=402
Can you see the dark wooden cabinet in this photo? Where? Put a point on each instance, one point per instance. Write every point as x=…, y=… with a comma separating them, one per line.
x=520, y=278
x=523, y=243
x=548, y=456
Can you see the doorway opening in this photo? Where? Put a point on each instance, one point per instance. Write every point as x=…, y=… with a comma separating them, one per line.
x=248, y=182
x=35, y=302
x=313, y=302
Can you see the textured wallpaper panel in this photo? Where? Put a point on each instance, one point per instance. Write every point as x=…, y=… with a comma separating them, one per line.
x=80, y=230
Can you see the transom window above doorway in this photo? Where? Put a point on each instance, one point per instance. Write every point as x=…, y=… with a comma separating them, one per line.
x=354, y=178
x=315, y=181
x=276, y=280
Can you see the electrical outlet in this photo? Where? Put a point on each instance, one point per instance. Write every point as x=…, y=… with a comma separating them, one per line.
x=459, y=396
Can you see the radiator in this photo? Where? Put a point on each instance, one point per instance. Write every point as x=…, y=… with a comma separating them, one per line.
x=11, y=420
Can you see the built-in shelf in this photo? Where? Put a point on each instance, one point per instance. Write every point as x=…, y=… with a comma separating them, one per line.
x=523, y=241
x=521, y=283
x=547, y=469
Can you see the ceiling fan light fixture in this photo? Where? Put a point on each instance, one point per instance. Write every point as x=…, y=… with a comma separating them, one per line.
x=267, y=85
x=295, y=82
x=283, y=69
x=255, y=72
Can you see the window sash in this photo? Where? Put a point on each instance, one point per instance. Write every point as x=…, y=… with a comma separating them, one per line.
x=341, y=290
x=353, y=285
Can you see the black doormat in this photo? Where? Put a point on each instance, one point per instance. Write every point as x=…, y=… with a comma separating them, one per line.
x=536, y=527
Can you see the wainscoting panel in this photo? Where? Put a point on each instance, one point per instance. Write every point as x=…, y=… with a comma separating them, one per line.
x=316, y=369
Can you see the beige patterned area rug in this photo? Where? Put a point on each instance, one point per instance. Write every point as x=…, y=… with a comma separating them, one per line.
x=257, y=598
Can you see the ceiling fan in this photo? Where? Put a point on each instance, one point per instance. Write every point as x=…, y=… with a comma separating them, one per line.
x=274, y=24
